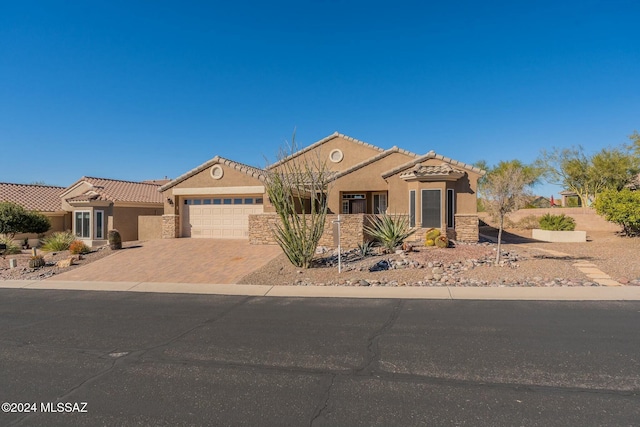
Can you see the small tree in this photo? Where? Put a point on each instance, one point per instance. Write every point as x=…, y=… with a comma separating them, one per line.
x=505, y=191
x=15, y=219
x=621, y=207
x=297, y=186
x=587, y=176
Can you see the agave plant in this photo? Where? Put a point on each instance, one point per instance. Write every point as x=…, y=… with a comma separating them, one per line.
x=389, y=230
x=365, y=248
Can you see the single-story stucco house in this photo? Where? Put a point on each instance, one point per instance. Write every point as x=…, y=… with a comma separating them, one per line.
x=223, y=198
x=90, y=206
x=44, y=199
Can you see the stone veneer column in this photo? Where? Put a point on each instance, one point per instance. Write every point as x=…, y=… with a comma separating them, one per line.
x=170, y=226
x=467, y=227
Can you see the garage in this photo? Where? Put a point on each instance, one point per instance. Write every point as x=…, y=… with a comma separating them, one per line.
x=224, y=217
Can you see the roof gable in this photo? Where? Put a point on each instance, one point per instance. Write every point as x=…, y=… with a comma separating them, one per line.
x=432, y=155
x=371, y=160
x=113, y=190
x=41, y=198
x=320, y=143
x=249, y=170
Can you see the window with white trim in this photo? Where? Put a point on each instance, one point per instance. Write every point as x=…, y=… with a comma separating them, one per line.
x=451, y=207
x=99, y=225
x=82, y=224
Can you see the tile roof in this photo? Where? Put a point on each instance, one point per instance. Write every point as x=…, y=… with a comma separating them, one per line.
x=116, y=191
x=443, y=169
x=432, y=155
x=249, y=170
x=42, y=198
x=322, y=141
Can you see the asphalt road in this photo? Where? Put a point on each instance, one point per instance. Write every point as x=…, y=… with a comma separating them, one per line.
x=157, y=359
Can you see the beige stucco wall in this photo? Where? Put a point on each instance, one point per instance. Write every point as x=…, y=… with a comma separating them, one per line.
x=149, y=227
x=125, y=220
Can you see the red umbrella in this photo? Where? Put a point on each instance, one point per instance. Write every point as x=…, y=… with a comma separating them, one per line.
x=552, y=202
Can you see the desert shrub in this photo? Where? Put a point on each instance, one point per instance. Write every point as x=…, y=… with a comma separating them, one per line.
x=528, y=222
x=389, y=230
x=557, y=222
x=12, y=248
x=78, y=247
x=59, y=241
x=621, y=207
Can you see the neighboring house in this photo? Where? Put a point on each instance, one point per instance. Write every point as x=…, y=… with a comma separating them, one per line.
x=223, y=198
x=100, y=204
x=44, y=199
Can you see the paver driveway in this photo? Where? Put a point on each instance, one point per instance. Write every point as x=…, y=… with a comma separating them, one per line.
x=178, y=261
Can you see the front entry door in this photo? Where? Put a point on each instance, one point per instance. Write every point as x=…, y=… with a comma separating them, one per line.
x=358, y=206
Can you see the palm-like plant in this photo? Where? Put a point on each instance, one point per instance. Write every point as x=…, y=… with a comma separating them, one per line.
x=389, y=230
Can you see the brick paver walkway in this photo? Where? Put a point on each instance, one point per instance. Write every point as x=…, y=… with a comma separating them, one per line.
x=178, y=261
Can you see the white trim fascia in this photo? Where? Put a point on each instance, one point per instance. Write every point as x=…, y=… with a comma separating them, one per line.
x=247, y=189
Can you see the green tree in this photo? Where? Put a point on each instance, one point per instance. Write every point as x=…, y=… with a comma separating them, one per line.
x=587, y=176
x=635, y=142
x=15, y=219
x=298, y=189
x=505, y=190
x=621, y=207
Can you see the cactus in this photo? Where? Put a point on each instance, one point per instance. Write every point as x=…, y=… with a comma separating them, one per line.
x=115, y=241
x=36, y=261
x=429, y=242
x=442, y=241
x=432, y=233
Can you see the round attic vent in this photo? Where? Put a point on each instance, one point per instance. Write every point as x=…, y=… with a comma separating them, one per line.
x=336, y=155
x=216, y=172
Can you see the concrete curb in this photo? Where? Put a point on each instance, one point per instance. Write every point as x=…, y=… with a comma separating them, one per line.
x=619, y=293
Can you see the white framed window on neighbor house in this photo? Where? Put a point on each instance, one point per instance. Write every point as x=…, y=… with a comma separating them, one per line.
x=82, y=224
x=99, y=225
x=412, y=208
x=451, y=207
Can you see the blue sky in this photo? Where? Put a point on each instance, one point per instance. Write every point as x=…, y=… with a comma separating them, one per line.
x=145, y=89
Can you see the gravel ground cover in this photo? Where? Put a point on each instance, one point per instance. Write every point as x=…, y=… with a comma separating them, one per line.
x=23, y=272
x=522, y=264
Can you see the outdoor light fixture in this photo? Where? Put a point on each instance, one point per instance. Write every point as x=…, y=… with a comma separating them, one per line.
x=170, y=201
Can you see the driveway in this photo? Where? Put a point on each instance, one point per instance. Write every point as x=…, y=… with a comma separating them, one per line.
x=178, y=261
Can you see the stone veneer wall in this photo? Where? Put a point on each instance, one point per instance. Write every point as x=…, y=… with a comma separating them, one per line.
x=170, y=226
x=466, y=227
x=261, y=228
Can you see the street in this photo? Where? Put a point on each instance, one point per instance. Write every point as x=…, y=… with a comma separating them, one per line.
x=175, y=359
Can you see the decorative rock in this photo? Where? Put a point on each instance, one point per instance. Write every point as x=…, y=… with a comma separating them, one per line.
x=64, y=263
x=13, y=263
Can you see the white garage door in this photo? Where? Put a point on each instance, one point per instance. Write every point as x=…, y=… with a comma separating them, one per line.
x=224, y=217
